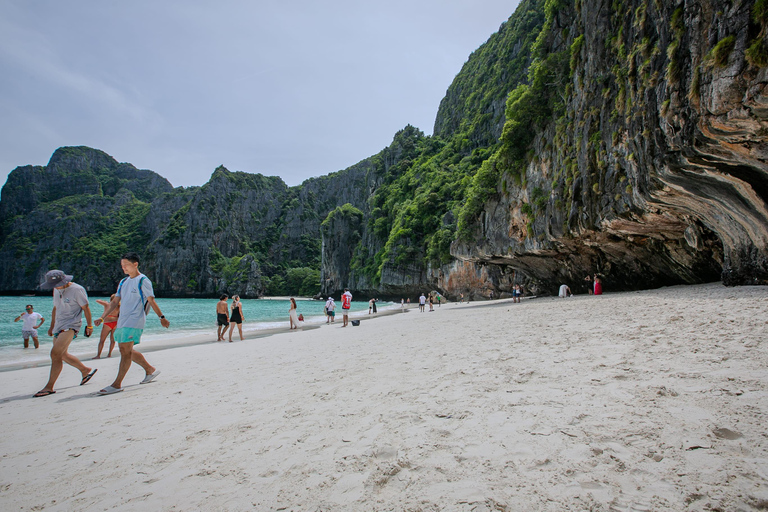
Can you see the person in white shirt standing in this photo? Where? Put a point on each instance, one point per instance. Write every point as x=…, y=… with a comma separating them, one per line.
x=330, y=310
x=70, y=301
x=28, y=328
x=135, y=296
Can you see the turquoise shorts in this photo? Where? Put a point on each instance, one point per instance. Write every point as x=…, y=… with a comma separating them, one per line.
x=128, y=335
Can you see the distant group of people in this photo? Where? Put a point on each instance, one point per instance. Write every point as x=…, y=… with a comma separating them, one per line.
x=431, y=297
x=593, y=284
x=346, y=305
x=228, y=321
x=126, y=314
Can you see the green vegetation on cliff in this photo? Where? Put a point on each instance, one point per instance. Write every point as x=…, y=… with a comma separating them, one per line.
x=415, y=213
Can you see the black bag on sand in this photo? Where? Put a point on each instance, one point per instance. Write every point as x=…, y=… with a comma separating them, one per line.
x=355, y=322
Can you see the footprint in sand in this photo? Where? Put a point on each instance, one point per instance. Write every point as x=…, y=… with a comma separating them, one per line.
x=630, y=503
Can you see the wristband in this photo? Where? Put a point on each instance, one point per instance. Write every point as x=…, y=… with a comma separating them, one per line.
x=162, y=316
x=89, y=327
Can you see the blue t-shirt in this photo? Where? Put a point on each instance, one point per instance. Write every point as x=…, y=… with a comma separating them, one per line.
x=132, y=313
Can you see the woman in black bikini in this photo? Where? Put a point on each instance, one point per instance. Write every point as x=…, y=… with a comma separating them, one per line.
x=237, y=317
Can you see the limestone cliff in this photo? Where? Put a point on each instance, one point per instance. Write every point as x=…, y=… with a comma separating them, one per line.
x=653, y=169
x=81, y=211
x=619, y=137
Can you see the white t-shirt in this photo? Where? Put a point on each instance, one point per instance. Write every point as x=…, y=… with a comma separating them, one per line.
x=563, y=290
x=69, y=303
x=330, y=305
x=30, y=320
x=422, y=300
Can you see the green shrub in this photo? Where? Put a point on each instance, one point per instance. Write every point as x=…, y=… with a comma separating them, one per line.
x=719, y=54
x=760, y=12
x=757, y=53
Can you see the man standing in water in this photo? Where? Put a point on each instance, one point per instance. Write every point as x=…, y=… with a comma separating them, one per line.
x=28, y=328
x=70, y=301
x=135, y=296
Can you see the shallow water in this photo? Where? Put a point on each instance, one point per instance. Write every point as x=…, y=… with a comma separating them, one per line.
x=187, y=317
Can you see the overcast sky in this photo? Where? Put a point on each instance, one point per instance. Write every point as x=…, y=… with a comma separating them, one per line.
x=289, y=88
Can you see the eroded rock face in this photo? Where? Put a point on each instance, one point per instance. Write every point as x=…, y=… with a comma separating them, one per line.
x=650, y=178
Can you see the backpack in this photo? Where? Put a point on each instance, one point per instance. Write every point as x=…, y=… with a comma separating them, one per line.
x=141, y=293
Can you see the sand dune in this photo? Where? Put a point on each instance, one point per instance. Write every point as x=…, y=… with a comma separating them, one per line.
x=651, y=400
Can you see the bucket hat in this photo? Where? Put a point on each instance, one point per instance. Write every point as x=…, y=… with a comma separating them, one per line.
x=54, y=279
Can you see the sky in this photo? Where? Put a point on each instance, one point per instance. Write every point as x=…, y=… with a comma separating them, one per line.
x=295, y=88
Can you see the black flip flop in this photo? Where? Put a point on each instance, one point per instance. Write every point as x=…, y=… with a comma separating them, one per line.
x=43, y=393
x=88, y=377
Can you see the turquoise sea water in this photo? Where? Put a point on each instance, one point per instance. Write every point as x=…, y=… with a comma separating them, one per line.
x=187, y=317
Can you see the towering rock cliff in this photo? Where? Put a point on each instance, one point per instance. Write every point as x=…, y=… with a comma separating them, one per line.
x=81, y=211
x=649, y=165
x=619, y=137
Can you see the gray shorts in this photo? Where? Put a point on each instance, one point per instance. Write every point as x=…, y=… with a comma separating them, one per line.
x=29, y=334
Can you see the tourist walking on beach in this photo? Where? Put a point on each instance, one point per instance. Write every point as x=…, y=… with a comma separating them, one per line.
x=222, y=318
x=108, y=328
x=236, y=318
x=431, y=302
x=294, y=318
x=134, y=297
x=70, y=302
x=28, y=327
x=330, y=310
x=422, y=302
x=346, y=304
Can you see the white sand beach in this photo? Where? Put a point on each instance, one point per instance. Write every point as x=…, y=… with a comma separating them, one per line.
x=654, y=400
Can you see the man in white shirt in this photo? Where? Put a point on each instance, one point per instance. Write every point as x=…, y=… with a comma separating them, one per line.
x=422, y=302
x=135, y=296
x=565, y=291
x=28, y=328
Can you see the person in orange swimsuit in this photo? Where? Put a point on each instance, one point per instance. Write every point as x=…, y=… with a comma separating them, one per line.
x=110, y=323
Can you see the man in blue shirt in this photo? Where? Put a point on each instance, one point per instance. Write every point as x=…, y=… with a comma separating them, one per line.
x=135, y=296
